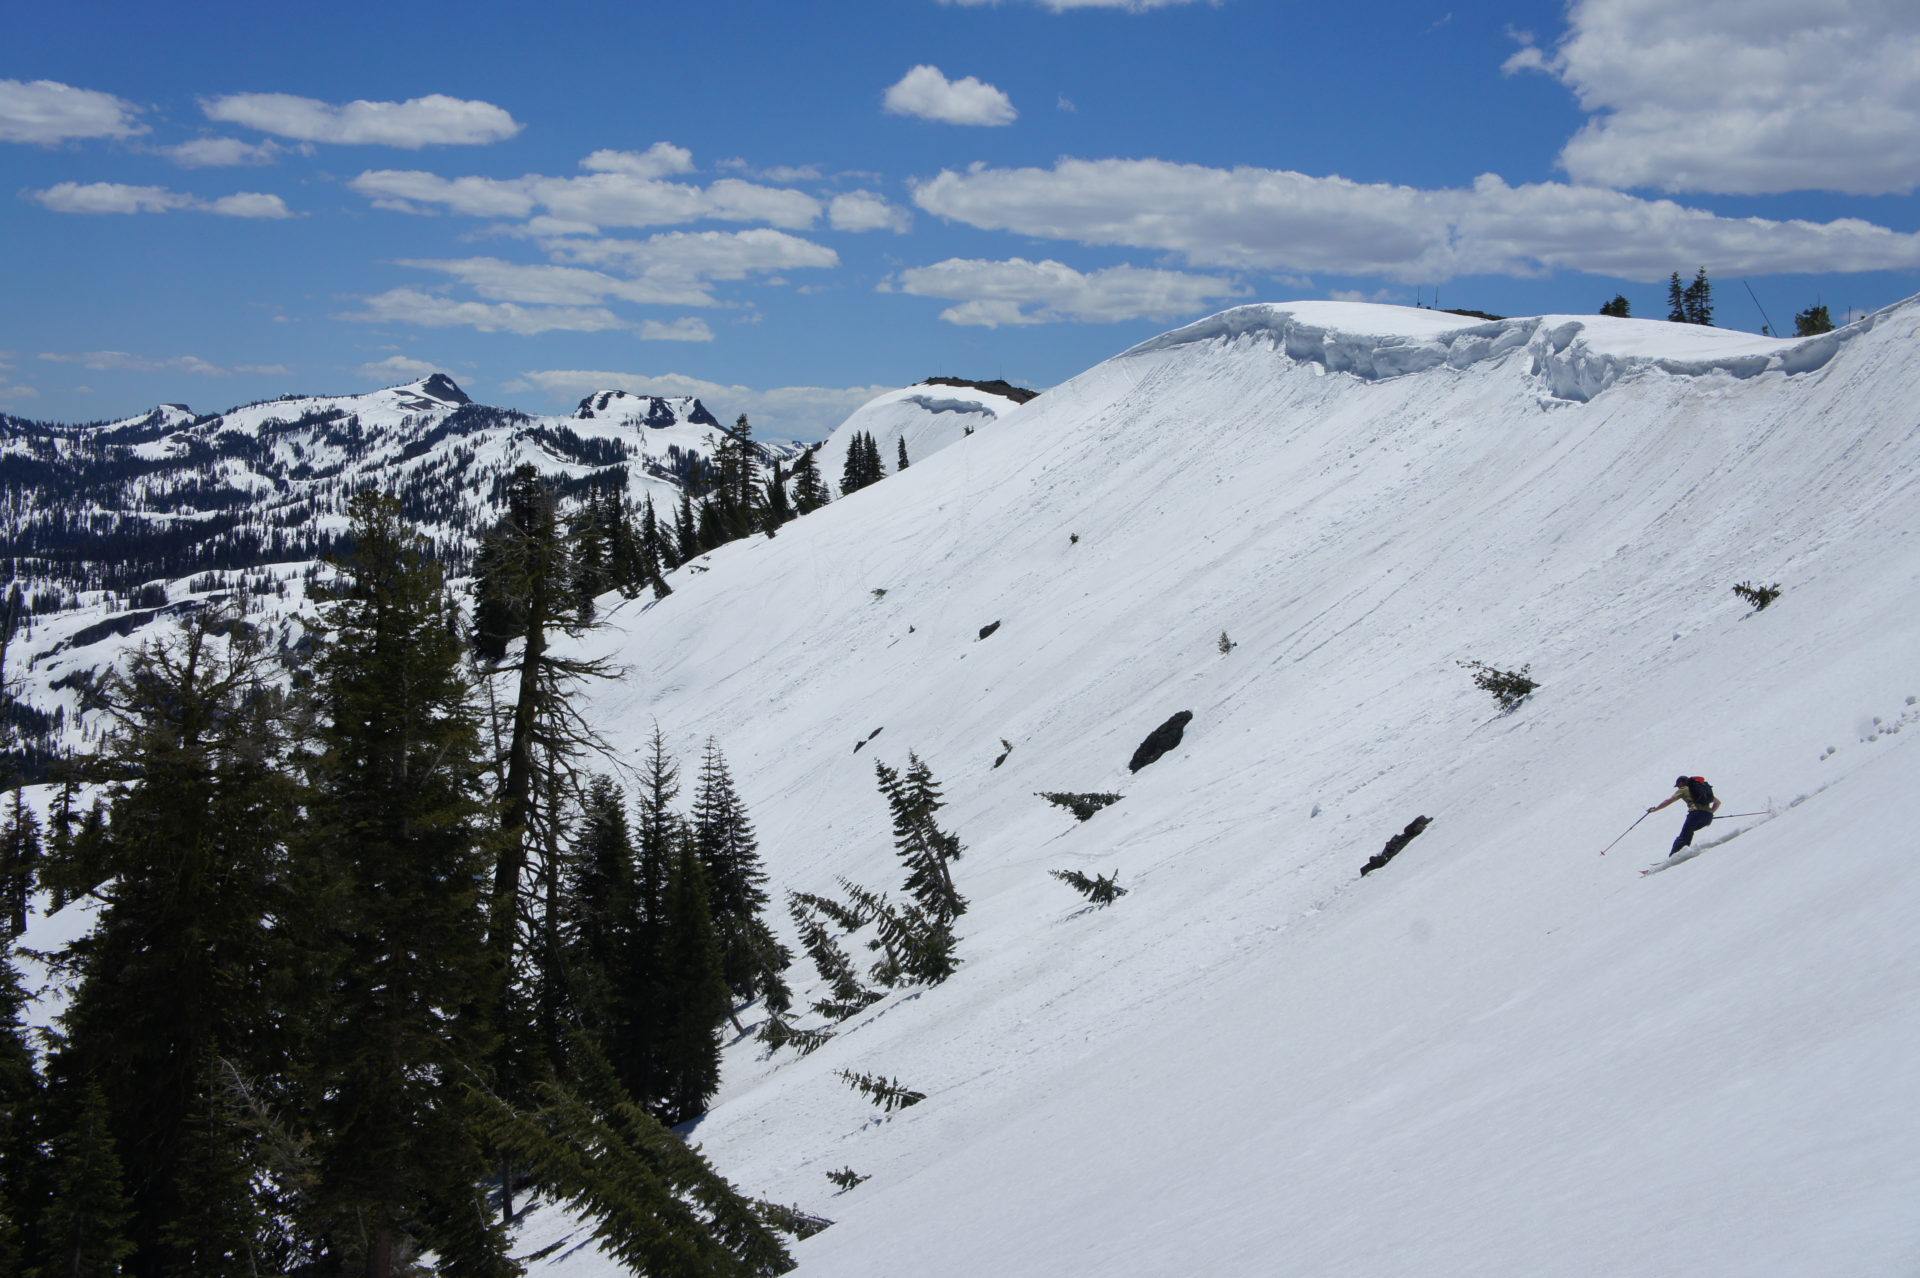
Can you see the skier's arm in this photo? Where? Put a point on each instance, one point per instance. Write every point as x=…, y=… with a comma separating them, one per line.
x=1670, y=798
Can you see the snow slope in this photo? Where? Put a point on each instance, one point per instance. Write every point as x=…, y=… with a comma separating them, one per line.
x=1501, y=1055
x=928, y=417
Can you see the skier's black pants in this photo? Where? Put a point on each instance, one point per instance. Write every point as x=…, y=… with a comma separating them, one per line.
x=1696, y=820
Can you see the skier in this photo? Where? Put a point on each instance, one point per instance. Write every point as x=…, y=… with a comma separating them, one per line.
x=1701, y=805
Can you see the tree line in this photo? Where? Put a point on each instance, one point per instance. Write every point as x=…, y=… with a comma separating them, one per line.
x=378, y=950
x=1692, y=303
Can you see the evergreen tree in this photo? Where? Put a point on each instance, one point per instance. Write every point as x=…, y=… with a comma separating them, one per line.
x=545, y=739
x=730, y=855
x=188, y=956
x=693, y=999
x=1677, y=300
x=600, y=923
x=398, y=813
x=21, y=1207
x=1619, y=307
x=657, y=1206
x=1698, y=299
x=686, y=528
x=656, y=553
x=774, y=506
x=863, y=463
x=919, y=841
x=901, y=461
x=591, y=533
x=19, y=864
x=1812, y=322
x=83, y=1229
x=809, y=490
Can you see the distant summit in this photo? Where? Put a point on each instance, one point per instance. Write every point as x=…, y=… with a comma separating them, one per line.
x=656, y=411
x=443, y=388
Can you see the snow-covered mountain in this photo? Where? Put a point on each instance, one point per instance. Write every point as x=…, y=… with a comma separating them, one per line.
x=1504, y=1054
x=170, y=493
x=928, y=417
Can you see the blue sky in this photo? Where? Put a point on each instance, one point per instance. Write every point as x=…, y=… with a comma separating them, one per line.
x=787, y=208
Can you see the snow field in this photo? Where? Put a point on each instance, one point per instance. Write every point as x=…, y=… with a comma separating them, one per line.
x=1502, y=1054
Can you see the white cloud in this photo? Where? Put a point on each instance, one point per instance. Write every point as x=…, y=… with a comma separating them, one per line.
x=1017, y=291
x=783, y=412
x=698, y=255
x=783, y=173
x=211, y=153
x=396, y=369
x=609, y=197
x=1742, y=96
x=671, y=269
x=543, y=285
x=428, y=310
x=123, y=361
x=435, y=120
x=1269, y=219
x=46, y=111
x=116, y=197
x=926, y=93
x=866, y=211
x=657, y=161
x=689, y=329
x=249, y=204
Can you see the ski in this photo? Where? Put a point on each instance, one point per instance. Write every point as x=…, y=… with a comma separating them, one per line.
x=1685, y=854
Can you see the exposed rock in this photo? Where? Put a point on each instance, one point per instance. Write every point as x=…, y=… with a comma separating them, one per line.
x=1394, y=845
x=1160, y=740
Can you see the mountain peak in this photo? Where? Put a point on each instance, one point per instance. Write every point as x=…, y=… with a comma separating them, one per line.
x=443, y=388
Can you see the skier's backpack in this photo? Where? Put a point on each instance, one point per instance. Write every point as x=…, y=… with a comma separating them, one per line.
x=1699, y=793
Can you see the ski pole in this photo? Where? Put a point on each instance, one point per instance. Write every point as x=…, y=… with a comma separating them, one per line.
x=1624, y=833
x=1728, y=816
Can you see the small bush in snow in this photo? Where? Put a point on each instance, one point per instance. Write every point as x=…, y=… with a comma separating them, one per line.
x=1226, y=645
x=888, y=1093
x=1101, y=889
x=1081, y=805
x=1509, y=687
x=1758, y=596
x=847, y=1178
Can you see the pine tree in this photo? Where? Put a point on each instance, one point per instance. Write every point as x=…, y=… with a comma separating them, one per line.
x=546, y=737
x=730, y=854
x=184, y=964
x=20, y=1100
x=656, y=553
x=863, y=463
x=600, y=923
x=1698, y=299
x=83, y=1230
x=1619, y=307
x=686, y=528
x=590, y=534
x=657, y=1206
x=19, y=865
x=1812, y=322
x=1677, y=301
x=692, y=992
x=631, y=1038
x=809, y=490
x=921, y=844
x=775, y=507
x=398, y=812
x=901, y=460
